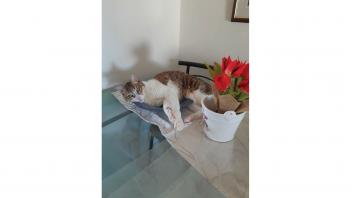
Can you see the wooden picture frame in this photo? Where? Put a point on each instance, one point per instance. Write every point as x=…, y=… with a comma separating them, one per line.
x=240, y=11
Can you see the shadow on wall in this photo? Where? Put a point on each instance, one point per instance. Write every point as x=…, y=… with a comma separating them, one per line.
x=143, y=66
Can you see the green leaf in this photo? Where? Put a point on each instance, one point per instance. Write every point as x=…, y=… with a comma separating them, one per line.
x=237, y=91
x=231, y=92
x=237, y=82
x=217, y=68
x=231, y=88
x=210, y=70
x=242, y=96
x=234, y=83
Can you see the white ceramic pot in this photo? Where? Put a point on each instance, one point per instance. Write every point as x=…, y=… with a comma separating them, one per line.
x=220, y=127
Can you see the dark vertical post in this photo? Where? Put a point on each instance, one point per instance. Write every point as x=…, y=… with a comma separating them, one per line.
x=187, y=71
x=151, y=142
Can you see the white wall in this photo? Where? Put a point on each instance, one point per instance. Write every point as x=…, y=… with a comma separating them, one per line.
x=207, y=33
x=146, y=37
x=140, y=37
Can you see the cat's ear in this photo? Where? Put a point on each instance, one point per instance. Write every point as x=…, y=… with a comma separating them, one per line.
x=133, y=78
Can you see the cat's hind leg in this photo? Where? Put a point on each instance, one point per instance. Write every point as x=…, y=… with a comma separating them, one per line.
x=196, y=96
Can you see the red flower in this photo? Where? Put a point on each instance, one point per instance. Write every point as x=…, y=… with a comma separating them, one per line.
x=222, y=82
x=231, y=69
x=224, y=63
x=228, y=65
x=242, y=70
x=244, y=85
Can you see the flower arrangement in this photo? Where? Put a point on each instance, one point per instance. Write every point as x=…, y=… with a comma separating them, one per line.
x=231, y=77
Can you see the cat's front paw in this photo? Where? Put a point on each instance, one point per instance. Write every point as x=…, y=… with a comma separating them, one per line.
x=179, y=125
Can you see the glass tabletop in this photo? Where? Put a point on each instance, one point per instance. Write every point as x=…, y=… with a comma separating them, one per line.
x=130, y=169
x=112, y=110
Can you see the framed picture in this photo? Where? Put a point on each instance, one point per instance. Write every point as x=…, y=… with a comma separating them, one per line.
x=240, y=11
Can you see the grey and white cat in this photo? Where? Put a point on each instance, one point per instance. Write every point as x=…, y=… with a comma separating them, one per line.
x=167, y=88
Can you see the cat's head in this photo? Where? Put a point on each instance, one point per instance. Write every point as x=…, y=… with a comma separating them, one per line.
x=133, y=91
